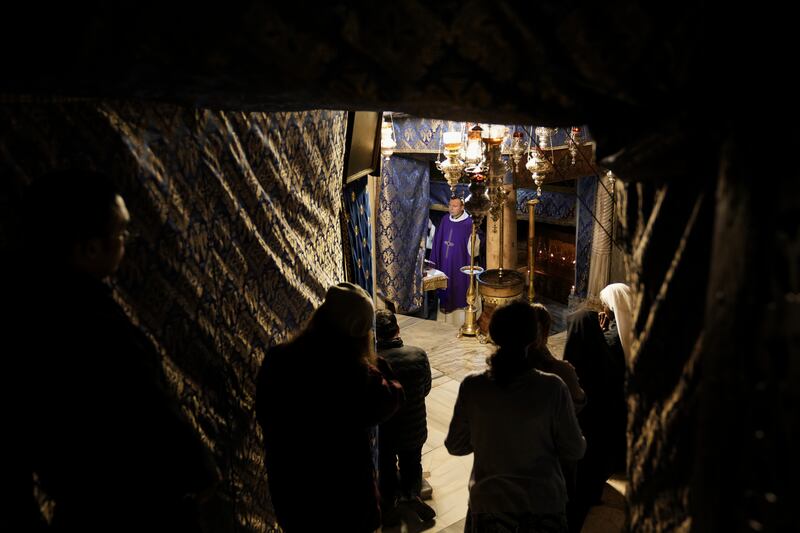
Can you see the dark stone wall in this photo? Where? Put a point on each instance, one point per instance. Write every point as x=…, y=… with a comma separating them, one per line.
x=669, y=236
x=746, y=459
x=620, y=67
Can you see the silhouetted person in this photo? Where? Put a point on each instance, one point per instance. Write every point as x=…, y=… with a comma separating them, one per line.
x=318, y=400
x=519, y=422
x=108, y=445
x=402, y=436
x=617, y=324
x=540, y=358
x=602, y=374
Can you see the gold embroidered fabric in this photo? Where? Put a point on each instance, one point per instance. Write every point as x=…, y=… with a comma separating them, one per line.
x=239, y=237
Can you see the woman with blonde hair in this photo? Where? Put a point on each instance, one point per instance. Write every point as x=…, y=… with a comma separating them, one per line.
x=318, y=400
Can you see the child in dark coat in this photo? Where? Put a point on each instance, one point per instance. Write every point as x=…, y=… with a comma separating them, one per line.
x=402, y=436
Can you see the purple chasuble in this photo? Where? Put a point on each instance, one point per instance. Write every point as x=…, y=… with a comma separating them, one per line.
x=449, y=252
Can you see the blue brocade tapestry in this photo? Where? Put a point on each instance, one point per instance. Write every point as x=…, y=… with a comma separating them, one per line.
x=414, y=134
x=553, y=207
x=440, y=192
x=587, y=188
x=401, y=230
x=424, y=135
x=357, y=210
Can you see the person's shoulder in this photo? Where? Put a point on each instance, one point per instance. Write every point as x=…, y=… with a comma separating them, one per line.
x=544, y=378
x=564, y=366
x=416, y=351
x=277, y=355
x=405, y=355
x=476, y=380
x=277, y=350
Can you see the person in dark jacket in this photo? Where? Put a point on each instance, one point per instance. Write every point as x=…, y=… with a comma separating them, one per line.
x=96, y=425
x=318, y=400
x=602, y=373
x=402, y=436
x=540, y=358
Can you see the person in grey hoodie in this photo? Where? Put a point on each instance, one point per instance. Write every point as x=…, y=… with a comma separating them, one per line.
x=518, y=421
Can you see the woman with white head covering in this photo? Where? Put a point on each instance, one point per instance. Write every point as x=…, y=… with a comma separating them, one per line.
x=617, y=308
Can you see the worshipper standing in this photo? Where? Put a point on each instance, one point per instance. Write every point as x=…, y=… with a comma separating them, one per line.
x=540, y=358
x=451, y=251
x=617, y=324
x=603, y=419
x=98, y=428
x=318, y=400
x=519, y=422
x=401, y=437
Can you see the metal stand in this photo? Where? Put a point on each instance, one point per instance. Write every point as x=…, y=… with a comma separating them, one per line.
x=531, y=244
x=470, y=327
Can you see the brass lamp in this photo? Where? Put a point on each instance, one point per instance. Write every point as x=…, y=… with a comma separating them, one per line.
x=453, y=166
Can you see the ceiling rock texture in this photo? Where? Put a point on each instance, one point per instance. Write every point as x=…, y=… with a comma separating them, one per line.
x=680, y=104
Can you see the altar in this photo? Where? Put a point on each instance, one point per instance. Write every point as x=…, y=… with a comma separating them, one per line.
x=432, y=280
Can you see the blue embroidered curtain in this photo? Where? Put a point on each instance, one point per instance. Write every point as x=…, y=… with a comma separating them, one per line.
x=553, y=207
x=440, y=192
x=401, y=230
x=357, y=210
x=421, y=135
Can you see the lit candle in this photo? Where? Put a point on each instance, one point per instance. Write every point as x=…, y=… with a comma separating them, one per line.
x=474, y=148
x=452, y=138
x=387, y=140
x=497, y=131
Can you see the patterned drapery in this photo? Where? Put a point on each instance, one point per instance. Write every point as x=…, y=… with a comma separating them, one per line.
x=239, y=238
x=587, y=188
x=359, y=231
x=424, y=135
x=421, y=135
x=440, y=192
x=401, y=230
x=602, y=243
x=553, y=207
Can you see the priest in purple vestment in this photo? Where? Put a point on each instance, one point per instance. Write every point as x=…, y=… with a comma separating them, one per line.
x=450, y=252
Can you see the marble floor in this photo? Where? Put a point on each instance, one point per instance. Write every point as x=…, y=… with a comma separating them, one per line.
x=451, y=359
